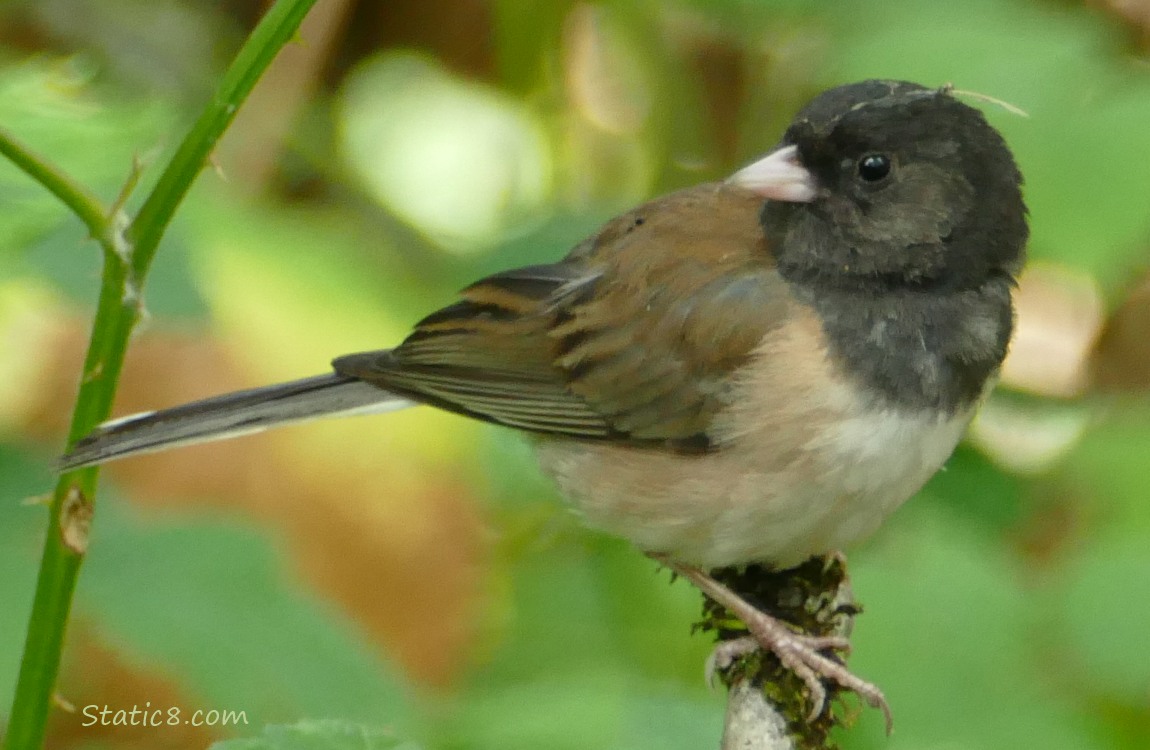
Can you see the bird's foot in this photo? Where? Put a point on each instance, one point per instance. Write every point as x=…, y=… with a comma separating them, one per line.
x=805, y=655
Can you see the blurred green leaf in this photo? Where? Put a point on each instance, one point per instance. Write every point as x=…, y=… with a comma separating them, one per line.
x=206, y=600
x=54, y=108
x=663, y=717
x=319, y=735
x=597, y=646
x=748, y=16
x=22, y=478
x=1104, y=605
x=57, y=108
x=974, y=489
x=589, y=707
x=169, y=64
x=651, y=614
x=66, y=257
x=947, y=635
x=568, y=708
x=1107, y=472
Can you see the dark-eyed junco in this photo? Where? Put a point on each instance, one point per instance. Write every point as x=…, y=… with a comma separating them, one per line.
x=755, y=370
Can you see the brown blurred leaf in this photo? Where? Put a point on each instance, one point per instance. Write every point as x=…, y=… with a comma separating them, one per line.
x=94, y=677
x=1135, y=13
x=1121, y=359
x=1059, y=315
x=251, y=147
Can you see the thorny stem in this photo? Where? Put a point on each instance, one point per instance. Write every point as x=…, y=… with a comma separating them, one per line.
x=129, y=248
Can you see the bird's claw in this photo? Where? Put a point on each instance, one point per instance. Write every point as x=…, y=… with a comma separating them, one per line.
x=801, y=654
x=727, y=653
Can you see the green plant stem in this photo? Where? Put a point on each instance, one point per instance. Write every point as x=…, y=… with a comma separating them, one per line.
x=128, y=256
x=75, y=196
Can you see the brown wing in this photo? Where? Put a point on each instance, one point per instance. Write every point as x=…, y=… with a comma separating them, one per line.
x=634, y=335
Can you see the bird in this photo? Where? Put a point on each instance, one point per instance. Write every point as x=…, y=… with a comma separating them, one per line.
x=755, y=370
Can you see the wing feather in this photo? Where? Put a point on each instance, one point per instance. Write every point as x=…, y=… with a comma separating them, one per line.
x=634, y=336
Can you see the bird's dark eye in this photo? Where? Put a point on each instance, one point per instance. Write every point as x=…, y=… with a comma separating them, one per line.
x=874, y=167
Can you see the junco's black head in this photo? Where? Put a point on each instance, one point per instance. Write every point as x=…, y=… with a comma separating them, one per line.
x=908, y=187
x=896, y=212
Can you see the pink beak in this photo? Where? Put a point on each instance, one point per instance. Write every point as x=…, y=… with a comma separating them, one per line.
x=778, y=176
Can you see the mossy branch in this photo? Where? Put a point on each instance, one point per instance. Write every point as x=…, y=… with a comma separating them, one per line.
x=767, y=706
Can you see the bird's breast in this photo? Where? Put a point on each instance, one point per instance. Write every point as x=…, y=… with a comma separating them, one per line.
x=806, y=463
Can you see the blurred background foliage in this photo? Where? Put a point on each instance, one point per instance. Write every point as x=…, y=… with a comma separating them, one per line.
x=414, y=572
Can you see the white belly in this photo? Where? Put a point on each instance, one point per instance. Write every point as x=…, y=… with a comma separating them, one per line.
x=776, y=494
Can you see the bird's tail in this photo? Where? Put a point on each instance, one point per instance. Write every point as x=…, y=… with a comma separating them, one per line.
x=229, y=416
